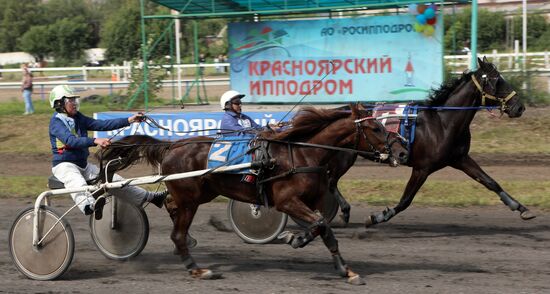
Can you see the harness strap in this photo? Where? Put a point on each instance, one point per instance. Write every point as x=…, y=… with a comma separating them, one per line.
x=297, y=170
x=365, y=153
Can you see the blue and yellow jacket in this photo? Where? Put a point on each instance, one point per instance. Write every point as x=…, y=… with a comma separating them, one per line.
x=70, y=144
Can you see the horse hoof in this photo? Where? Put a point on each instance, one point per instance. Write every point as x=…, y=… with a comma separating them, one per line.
x=527, y=215
x=345, y=220
x=369, y=222
x=356, y=280
x=286, y=237
x=204, y=274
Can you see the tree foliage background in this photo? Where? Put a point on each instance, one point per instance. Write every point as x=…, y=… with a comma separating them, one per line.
x=495, y=31
x=63, y=29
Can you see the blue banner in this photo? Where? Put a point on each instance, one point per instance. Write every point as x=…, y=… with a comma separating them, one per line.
x=379, y=58
x=181, y=125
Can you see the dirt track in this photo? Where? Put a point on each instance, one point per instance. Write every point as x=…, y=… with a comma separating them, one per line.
x=424, y=250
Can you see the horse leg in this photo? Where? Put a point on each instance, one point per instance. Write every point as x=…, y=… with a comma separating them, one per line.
x=417, y=179
x=172, y=209
x=472, y=169
x=344, y=206
x=182, y=222
x=318, y=227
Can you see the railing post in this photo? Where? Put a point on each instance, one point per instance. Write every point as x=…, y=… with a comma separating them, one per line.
x=496, y=59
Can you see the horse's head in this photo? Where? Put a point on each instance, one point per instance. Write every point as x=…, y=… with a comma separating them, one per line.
x=373, y=136
x=495, y=90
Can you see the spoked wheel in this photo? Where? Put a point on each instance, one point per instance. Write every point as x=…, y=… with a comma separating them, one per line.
x=53, y=256
x=255, y=224
x=328, y=206
x=123, y=231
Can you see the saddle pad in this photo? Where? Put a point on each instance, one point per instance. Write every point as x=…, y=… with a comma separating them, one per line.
x=389, y=115
x=230, y=150
x=398, y=118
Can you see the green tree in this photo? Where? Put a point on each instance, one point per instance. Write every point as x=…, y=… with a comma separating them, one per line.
x=38, y=42
x=543, y=42
x=491, y=30
x=536, y=29
x=121, y=33
x=70, y=36
x=17, y=17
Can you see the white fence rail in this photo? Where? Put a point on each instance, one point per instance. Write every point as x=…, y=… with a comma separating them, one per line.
x=538, y=63
x=505, y=62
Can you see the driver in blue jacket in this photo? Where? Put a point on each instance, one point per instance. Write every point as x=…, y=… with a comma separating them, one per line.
x=70, y=142
x=233, y=119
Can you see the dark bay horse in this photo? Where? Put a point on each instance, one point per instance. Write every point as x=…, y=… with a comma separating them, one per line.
x=443, y=134
x=294, y=193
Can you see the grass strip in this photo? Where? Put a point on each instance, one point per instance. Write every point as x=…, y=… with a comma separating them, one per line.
x=445, y=193
x=374, y=192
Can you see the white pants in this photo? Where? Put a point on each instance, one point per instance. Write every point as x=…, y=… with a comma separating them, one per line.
x=72, y=176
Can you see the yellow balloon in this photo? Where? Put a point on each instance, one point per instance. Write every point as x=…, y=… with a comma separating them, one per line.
x=428, y=30
x=418, y=27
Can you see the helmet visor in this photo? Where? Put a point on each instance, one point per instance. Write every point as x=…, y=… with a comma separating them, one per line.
x=72, y=100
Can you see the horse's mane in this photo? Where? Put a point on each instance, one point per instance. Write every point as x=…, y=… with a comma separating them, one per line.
x=310, y=121
x=439, y=96
x=134, y=149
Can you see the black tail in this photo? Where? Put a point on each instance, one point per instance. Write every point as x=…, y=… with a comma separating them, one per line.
x=131, y=150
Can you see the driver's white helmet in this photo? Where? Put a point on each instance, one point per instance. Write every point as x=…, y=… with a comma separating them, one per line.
x=60, y=92
x=227, y=96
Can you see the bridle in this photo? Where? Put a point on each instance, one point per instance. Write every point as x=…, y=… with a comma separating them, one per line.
x=485, y=95
x=361, y=132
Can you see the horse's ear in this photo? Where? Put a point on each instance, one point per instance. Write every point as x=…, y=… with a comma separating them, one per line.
x=360, y=106
x=479, y=62
x=485, y=59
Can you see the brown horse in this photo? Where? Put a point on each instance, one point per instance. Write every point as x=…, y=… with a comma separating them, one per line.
x=298, y=177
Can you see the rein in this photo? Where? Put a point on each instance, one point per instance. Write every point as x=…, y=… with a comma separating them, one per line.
x=365, y=153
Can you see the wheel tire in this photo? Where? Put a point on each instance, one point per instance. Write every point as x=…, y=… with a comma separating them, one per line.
x=53, y=257
x=328, y=206
x=129, y=233
x=256, y=228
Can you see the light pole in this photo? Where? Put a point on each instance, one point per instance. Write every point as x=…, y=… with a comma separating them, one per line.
x=524, y=43
x=473, y=37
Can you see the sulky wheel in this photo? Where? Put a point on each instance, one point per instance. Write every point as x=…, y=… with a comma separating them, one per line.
x=255, y=224
x=123, y=231
x=53, y=256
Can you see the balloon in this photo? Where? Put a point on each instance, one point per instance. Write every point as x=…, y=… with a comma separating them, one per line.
x=428, y=30
x=432, y=21
x=429, y=13
x=421, y=8
x=433, y=6
x=421, y=19
x=412, y=9
x=418, y=27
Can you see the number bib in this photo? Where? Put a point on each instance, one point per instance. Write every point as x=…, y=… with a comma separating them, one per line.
x=230, y=150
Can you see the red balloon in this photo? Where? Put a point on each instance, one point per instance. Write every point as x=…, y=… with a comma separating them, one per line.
x=431, y=21
x=421, y=8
